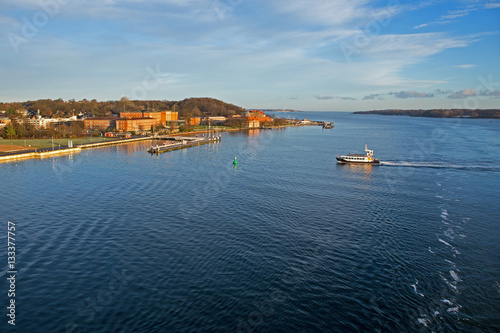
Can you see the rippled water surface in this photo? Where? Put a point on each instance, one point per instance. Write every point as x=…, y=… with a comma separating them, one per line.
x=117, y=240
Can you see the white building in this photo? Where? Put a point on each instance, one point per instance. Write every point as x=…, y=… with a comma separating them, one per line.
x=40, y=122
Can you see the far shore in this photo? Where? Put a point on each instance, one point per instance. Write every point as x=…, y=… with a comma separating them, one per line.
x=439, y=113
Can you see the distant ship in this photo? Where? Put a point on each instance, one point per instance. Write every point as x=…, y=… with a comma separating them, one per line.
x=358, y=158
x=328, y=125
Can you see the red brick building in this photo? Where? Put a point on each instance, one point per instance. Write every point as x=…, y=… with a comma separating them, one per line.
x=194, y=121
x=162, y=117
x=136, y=124
x=257, y=119
x=99, y=123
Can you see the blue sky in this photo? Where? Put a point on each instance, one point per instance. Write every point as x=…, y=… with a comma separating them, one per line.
x=337, y=55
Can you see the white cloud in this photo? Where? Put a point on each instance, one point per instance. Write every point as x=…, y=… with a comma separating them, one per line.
x=321, y=96
x=420, y=26
x=490, y=93
x=411, y=94
x=465, y=66
x=463, y=94
x=413, y=46
x=453, y=15
x=326, y=12
x=457, y=13
x=492, y=5
x=130, y=10
x=374, y=96
x=383, y=61
x=442, y=92
x=326, y=97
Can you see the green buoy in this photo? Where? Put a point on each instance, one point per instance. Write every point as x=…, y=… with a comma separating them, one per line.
x=235, y=162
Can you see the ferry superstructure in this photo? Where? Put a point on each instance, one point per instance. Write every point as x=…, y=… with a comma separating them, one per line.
x=358, y=158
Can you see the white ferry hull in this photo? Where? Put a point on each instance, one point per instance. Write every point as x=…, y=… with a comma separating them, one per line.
x=341, y=160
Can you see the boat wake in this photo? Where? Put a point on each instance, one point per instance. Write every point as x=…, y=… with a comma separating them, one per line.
x=442, y=165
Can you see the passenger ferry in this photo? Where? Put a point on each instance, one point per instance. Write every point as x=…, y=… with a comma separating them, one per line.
x=358, y=158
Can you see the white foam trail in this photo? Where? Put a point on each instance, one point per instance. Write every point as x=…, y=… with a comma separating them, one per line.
x=424, y=321
x=452, y=285
x=430, y=250
x=445, y=242
x=441, y=165
x=450, y=262
x=415, y=288
x=450, y=234
x=447, y=302
x=454, y=310
x=455, y=276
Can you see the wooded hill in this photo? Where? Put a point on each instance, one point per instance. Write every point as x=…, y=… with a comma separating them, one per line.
x=188, y=107
x=439, y=113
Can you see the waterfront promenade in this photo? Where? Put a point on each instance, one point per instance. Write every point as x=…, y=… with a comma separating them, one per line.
x=63, y=150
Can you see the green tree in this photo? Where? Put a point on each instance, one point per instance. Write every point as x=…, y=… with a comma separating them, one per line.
x=10, y=132
x=76, y=127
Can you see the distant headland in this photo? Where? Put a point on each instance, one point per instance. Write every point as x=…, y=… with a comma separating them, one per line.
x=279, y=110
x=439, y=113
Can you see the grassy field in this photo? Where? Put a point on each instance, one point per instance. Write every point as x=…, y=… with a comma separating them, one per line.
x=47, y=143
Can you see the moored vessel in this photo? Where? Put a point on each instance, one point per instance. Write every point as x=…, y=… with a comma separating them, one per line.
x=358, y=158
x=328, y=125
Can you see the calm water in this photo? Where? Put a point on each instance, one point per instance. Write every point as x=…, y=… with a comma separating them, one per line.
x=116, y=240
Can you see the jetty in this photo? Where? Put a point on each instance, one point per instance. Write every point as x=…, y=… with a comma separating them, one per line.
x=180, y=142
x=38, y=153
x=113, y=142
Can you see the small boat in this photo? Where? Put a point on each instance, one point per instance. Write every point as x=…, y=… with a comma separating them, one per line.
x=358, y=158
x=328, y=125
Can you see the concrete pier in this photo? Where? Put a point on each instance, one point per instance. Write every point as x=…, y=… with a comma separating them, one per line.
x=39, y=154
x=179, y=142
x=114, y=142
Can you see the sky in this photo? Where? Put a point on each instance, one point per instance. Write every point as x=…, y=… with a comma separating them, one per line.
x=323, y=55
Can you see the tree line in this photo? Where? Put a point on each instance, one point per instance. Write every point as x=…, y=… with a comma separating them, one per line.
x=191, y=107
x=59, y=108
x=22, y=129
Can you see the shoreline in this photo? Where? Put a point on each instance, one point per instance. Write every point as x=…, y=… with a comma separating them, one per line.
x=492, y=114
x=47, y=152
x=39, y=155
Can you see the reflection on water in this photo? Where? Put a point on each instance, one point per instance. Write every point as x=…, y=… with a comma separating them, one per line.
x=254, y=132
x=131, y=148
x=364, y=169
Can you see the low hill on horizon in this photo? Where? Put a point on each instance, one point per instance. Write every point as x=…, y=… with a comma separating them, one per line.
x=194, y=106
x=439, y=113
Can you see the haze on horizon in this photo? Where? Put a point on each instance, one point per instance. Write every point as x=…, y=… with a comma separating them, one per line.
x=337, y=55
